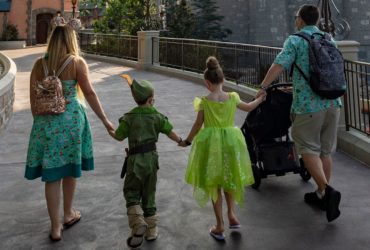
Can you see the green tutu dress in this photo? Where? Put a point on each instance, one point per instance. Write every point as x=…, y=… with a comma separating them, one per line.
x=219, y=156
x=60, y=145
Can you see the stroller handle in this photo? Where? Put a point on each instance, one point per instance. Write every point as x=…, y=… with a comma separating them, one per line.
x=279, y=85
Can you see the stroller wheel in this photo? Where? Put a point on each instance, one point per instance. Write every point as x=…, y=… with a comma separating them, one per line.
x=304, y=172
x=257, y=176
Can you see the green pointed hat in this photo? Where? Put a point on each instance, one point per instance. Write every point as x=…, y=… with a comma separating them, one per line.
x=141, y=89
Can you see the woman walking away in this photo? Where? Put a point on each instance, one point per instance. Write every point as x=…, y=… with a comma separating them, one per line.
x=60, y=144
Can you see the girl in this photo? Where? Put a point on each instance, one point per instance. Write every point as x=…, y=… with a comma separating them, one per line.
x=219, y=158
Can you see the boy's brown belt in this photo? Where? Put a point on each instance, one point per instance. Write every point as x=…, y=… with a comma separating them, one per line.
x=141, y=149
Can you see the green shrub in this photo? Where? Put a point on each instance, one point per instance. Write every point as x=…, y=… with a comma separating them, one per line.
x=10, y=33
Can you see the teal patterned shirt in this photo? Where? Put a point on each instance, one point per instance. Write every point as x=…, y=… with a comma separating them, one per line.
x=304, y=99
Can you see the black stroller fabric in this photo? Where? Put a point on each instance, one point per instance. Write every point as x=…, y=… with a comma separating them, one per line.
x=271, y=119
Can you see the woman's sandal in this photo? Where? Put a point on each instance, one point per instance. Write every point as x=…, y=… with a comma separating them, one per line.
x=76, y=218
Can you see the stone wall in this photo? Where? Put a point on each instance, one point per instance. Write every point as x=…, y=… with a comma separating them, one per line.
x=7, y=80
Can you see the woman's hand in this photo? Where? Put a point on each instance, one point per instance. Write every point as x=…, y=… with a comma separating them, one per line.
x=108, y=125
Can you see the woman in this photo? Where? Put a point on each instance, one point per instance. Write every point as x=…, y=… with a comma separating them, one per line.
x=60, y=146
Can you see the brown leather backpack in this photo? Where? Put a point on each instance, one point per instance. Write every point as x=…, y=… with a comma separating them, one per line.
x=48, y=93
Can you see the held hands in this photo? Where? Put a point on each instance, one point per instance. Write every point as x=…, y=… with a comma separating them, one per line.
x=183, y=143
x=109, y=127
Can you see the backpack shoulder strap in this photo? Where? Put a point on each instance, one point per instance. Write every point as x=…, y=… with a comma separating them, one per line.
x=308, y=38
x=66, y=62
x=303, y=35
x=45, y=67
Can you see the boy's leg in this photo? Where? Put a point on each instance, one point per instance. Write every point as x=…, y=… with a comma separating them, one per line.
x=231, y=214
x=149, y=206
x=132, y=192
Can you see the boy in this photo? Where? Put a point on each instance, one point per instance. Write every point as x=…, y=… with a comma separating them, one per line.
x=142, y=126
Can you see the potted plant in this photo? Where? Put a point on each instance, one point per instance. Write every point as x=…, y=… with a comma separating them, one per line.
x=9, y=38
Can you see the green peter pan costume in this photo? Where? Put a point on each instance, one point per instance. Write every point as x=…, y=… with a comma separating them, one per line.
x=142, y=126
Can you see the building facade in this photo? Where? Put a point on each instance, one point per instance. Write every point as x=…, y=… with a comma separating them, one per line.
x=33, y=17
x=269, y=22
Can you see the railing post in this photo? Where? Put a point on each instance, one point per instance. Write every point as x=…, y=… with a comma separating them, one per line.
x=148, y=51
x=349, y=51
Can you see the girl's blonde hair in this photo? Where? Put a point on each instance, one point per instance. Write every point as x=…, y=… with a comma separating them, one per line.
x=62, y=43
x=213, y=73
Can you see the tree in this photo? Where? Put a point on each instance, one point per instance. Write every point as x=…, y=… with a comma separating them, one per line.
x=141, y=15
x=208, y=25
x=180, y=19
x=128, y=16
x=113, y=20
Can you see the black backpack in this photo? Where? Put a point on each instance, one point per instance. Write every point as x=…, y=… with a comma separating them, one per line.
x=326, y=71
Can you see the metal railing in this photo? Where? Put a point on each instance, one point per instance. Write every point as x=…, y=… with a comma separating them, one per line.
x=357, y=98
x=242, y=63
x=121, y=46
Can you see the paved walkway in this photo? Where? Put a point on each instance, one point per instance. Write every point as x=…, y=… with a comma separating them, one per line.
x=275, y=217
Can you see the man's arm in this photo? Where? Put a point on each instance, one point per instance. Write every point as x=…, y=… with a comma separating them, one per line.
x=273, y=73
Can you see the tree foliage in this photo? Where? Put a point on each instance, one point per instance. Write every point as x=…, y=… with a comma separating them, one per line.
x=10, y=33
x=128, y=16
x=180, y=19
x=198, y=19
x=208, y=25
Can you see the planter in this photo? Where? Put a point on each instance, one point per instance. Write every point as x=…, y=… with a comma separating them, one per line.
x=5, y=45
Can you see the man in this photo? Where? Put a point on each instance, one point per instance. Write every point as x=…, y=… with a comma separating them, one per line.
x=315, y=119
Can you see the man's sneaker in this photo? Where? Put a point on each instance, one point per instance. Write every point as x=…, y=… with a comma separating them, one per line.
x=313, y=200
x=331, y=201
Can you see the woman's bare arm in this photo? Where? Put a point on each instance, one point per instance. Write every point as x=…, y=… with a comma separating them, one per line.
x=89, y=92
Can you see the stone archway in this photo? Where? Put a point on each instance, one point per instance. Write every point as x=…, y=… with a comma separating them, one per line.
x=43, y=23
x=38, y=19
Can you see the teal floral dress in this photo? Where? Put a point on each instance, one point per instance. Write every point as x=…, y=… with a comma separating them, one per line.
x=60, y=145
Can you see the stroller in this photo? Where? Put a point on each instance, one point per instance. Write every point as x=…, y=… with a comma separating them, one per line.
x=266, y=132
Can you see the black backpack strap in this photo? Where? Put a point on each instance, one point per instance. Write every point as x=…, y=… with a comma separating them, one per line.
x=300, y=71
x=308, y=38
x=304, y=35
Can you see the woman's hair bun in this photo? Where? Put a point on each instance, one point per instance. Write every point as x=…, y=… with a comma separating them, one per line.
x=212, y=63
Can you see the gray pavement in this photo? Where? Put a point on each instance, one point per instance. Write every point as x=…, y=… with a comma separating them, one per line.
x=275, y=217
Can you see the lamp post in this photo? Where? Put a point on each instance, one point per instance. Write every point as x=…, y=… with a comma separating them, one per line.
x=74, y=2
x=339, y=28
x=74, y=22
